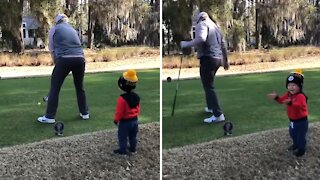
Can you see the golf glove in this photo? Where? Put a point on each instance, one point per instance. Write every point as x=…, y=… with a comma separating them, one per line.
x=183, y=44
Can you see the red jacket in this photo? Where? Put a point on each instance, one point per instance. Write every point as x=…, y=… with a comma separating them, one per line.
x=128, y=106
x=297, y=108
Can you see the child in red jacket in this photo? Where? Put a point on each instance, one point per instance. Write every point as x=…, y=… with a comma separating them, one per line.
x=127, y=111
x=297, y=110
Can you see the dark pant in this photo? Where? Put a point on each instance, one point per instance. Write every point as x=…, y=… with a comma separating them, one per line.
x=62, y=68
x=298, y=131
x=128, y=129
x=208, y=69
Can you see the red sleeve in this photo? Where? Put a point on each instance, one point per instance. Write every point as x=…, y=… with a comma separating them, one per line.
x=120, y=109
x=300, y=101
x=138, y=109
x=280, y=99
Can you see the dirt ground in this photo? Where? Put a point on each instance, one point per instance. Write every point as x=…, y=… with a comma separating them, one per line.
x=261, y=155
x=87, y=156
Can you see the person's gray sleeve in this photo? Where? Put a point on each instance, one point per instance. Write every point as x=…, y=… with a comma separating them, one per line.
x=225, y=62
x=200, y=35
x=224, y=51
x=51, y=33
x=51, y=47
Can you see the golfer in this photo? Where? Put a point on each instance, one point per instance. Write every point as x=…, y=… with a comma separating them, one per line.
x=67, y=54
x=212, y=53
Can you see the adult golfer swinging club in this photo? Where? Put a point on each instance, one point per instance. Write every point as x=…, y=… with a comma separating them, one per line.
x=177, y=87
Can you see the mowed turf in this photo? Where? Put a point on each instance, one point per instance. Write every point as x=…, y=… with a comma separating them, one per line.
x=244, y=103
x=19, y=107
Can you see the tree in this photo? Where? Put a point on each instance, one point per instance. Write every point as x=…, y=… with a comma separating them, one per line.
x=124, y=22
x=177, y=21
x=10, y=22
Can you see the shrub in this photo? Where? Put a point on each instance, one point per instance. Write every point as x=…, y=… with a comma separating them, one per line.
x=36, y=58
x=253, y=56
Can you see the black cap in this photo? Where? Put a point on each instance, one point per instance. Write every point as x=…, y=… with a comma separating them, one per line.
x=296, y=78
x=125, y=85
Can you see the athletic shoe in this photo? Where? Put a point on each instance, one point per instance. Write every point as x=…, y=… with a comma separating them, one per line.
x=118, y=151
x=84, y=117
x=44, y=119
x=215, y=119
x=206, y=109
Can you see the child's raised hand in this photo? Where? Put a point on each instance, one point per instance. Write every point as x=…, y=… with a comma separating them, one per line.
x=272, y=95
x=287, y=101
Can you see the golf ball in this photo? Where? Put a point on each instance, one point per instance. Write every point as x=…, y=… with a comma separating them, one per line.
x=39, y=103
x=169, y=79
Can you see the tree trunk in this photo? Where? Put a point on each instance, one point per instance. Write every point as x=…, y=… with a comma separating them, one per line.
x=91, y=23
x=169, y=43
x=17, y=42
x=258, y=29
x=17, y=39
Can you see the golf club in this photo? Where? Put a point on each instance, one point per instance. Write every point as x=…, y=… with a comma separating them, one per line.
x=58, y=128
x=45, y=98
x=227, y=127
x=177, y=87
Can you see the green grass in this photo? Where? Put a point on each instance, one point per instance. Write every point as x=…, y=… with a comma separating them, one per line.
x=243, y=100
x=19, y=107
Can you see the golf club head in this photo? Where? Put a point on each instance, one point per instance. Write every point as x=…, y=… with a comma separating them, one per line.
x=58, y=128
x=227, y=127
x=45, y=98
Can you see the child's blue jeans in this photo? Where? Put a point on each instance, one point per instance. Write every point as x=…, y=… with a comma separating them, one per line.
x=298, y=131
x=128, y=129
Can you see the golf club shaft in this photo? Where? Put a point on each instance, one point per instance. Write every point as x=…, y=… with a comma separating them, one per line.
x=177, y=87
x=174, y=102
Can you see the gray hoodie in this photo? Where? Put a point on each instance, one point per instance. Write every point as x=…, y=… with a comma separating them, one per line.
x=64, y=41
x=208, y=40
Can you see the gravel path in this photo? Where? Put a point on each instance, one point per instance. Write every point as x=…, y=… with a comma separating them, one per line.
x=304, y=63
x=119, y=65
x=86, y=156
x=154, y=62
x=260, y=155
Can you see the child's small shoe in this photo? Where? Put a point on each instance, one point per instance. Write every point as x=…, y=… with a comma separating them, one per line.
x=292, y=148
x=119, y=151
x=132, y=150
x=299, y=152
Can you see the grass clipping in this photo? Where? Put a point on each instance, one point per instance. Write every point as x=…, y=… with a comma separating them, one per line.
x=82, y=156
x=261, y=155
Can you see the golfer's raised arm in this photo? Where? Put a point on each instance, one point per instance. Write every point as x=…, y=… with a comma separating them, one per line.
x=200, y=37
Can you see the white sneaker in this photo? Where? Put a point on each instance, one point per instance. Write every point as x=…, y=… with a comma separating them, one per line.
x=215, y=119
x=84, y=117
x=206, y=109
x=44, y=119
